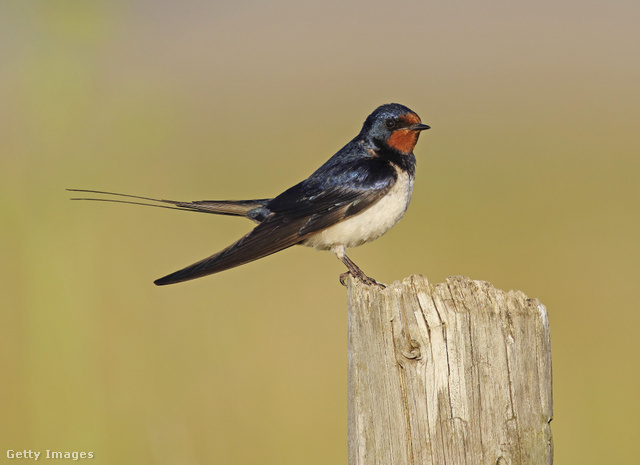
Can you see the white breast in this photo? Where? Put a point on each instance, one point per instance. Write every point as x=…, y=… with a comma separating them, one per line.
x=371, y=223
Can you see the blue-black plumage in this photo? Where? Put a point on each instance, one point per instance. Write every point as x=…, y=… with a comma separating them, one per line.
x=353, y=198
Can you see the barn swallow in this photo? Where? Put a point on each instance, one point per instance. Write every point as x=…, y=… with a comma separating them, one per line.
x=354, y=198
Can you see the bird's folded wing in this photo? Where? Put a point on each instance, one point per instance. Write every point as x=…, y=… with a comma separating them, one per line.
x=305, y=215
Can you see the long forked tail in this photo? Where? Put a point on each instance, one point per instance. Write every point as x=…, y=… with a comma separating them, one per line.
x=255, y=209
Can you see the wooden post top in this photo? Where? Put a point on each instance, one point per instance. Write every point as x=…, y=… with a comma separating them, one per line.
x=448, y=373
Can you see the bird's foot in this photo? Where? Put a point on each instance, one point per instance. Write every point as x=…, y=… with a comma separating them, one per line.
x=362, y=277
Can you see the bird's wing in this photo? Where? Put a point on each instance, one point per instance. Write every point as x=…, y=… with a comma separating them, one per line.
x=297, y=213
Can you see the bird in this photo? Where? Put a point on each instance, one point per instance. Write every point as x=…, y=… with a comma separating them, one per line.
x=353, y=198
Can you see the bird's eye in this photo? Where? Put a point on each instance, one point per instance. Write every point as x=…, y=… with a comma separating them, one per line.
x=390, y=123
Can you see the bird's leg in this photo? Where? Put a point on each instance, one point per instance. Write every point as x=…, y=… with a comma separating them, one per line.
x=354, y=270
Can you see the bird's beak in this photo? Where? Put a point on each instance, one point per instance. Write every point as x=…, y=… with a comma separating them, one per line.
x=419, y=127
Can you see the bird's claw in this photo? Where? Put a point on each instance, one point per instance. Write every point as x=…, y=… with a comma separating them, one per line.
x=364, y=279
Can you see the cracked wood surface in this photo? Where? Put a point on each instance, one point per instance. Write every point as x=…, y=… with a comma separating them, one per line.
x=451, y=373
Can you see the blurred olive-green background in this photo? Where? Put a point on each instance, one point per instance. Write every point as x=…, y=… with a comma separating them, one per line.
x=528, y=179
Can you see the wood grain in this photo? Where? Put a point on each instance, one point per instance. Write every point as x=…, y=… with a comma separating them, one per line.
x=451, y=373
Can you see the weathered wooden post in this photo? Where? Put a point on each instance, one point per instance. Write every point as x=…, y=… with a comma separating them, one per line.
x=452, y=373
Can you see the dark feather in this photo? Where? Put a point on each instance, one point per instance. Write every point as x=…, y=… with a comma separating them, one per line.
x=297, y=213
x=251, y=209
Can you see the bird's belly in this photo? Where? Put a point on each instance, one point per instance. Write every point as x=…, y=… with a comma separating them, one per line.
x=371, y=223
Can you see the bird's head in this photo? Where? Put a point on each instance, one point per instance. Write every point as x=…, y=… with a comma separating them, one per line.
x=394, y=126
